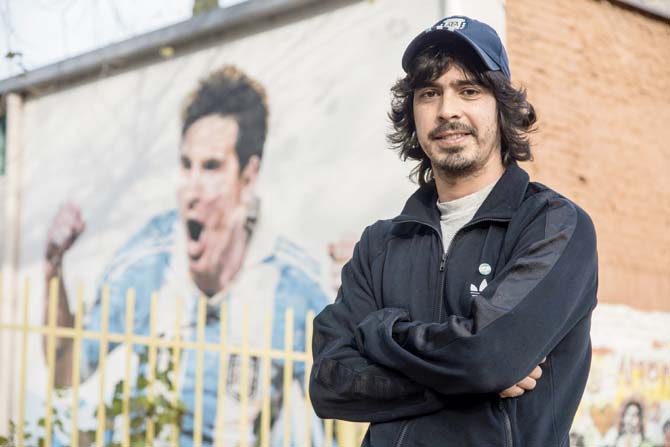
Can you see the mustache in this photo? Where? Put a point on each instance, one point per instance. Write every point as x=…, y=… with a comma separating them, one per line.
x=450, y=127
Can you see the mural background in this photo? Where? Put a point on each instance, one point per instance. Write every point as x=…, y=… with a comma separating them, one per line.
x=111, y=145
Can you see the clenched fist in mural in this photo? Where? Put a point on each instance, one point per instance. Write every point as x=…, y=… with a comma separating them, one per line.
x=64, y=230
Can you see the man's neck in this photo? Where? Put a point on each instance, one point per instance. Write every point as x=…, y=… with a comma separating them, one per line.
x=451, y=188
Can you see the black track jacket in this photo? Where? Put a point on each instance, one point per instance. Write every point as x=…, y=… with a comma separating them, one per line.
x=420, y=343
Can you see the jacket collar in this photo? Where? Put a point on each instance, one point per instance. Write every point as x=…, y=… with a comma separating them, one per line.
x=501, y=203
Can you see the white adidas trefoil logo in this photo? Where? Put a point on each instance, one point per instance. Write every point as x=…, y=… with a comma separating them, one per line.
x=476, y=291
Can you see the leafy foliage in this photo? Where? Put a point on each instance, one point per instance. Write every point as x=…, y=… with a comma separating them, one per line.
x=166, y=414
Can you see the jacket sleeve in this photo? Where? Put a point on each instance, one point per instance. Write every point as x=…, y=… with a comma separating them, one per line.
x=545, y=288
x=343, y=383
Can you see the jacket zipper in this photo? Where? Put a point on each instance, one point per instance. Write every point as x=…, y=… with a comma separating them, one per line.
x=437, y=305
x=443, y=282
x=437, y=311
x=508, y=424
x=443, y=263
x=402, y=433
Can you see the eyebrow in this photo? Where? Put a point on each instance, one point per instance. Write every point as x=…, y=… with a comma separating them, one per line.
x=455, y=83
x=463, y=82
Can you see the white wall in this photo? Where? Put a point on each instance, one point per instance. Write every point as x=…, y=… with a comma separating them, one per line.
x=491, y=12
x=110, y=144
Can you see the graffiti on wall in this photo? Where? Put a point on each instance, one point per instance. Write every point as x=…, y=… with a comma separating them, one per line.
x=627, y=398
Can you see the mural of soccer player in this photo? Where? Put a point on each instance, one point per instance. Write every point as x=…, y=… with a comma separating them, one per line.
x=205, y=249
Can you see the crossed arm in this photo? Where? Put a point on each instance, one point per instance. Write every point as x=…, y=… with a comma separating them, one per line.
x=374, y=364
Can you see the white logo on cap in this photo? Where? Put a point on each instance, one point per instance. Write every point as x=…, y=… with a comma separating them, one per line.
x=452, y=24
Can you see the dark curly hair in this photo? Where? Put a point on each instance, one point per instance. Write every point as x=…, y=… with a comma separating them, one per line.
x=230, y=92
x=516, y=116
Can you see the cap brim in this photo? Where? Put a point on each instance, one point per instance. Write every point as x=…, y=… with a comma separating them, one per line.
x=443, y=37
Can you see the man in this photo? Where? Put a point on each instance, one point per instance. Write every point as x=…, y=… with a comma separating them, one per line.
x=446, y=311
x=204, y=249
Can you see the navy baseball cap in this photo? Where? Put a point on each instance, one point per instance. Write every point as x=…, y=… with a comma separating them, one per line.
x=478, y=35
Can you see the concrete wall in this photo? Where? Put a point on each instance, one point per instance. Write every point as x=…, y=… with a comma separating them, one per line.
x=598, y=76
x=2, y=217
x=110, y=146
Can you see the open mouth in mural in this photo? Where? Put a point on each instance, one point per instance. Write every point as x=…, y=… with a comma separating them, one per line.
x=194, y=229
x=196, y=246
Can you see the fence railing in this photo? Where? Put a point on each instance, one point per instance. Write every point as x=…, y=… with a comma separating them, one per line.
x=340, y=433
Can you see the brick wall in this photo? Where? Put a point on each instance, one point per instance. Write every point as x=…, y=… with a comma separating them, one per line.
x=598, y=75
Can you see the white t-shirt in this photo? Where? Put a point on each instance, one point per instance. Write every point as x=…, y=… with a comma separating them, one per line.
x=456, y=213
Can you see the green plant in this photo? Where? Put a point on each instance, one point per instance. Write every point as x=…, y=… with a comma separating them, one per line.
x=8, y=441
x=57, y=424
x=163, y=412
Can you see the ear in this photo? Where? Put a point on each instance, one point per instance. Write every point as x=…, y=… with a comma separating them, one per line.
x=248, y=177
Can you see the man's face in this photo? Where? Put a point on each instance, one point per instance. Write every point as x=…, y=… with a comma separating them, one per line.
x=209, y=190
x=457, y=124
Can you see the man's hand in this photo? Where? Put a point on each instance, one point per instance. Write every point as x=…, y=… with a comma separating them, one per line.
x=526, y=384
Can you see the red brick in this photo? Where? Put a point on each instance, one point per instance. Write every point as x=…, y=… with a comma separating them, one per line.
x=598, y=77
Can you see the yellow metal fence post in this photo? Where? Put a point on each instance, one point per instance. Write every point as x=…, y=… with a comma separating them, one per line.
x=328, y=432
x=176, y=354
x=51, y=358
x=76, y=356
x=223, y=371
x=24, y=349
x=130, y=316
x=197, y=429
x=308, y=368
x=288, y=375
x=102, y=417
x=244, y=377
x=152, y=365
x=265, y=380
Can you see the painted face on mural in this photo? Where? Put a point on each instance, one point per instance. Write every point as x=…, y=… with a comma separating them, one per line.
x=211, y=196
x=456, y=124
x=631, y=419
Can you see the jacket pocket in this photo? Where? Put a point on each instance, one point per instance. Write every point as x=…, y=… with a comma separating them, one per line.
x=402, y=433
x=387, y=434
x=507, y=424
x=461, y=423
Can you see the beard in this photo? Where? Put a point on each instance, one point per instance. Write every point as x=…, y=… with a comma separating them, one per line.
x=453, y=163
